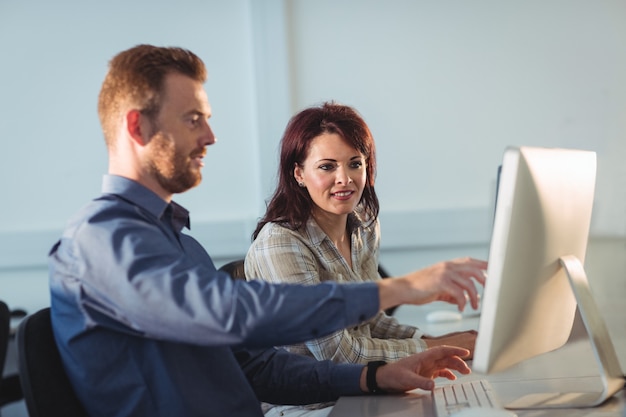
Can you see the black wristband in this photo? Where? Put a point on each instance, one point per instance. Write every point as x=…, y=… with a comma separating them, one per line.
x=370, y=377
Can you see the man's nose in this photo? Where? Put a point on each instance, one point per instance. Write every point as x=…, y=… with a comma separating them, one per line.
x=208, y=138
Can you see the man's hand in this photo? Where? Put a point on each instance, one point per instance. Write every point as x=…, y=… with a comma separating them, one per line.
x=449, y=281
x=419, y=370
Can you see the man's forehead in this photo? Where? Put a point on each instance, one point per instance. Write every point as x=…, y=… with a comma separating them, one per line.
x=183, y=90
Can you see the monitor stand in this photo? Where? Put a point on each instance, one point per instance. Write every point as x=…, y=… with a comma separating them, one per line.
x=601, y=344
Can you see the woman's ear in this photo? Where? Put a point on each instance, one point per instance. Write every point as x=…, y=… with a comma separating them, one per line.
x=297, y=173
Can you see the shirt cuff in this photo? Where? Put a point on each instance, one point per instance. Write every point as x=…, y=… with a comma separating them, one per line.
x=419, y=342
x=362, y=301
x=346, y=379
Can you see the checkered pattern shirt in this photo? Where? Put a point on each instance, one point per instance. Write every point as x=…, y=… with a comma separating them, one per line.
x=308, y=256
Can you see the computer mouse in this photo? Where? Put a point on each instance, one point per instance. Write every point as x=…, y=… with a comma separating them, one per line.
x=483, y=412
x=443, y=316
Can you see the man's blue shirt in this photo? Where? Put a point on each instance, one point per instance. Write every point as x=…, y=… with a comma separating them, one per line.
x=147, y=326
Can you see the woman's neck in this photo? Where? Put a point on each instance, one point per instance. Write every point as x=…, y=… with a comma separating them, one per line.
x=335, y=227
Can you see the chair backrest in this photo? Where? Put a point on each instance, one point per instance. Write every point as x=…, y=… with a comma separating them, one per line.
x=235, y=269
x=5, y=329
x=384, y=274
x=47, y=389
x=10, y=390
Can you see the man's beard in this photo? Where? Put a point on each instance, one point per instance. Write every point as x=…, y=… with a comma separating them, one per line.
x=171, y=168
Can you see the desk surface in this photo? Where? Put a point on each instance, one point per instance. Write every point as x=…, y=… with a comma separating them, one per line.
x=417, y=404
x=574, y=364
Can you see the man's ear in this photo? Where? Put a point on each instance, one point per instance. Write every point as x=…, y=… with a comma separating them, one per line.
x=135, y=128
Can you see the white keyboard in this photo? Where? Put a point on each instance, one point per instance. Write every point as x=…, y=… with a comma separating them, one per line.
x=450, y=398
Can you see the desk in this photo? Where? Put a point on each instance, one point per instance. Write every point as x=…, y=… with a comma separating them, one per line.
x=606, y=270
x=574, y=364
x=420, y=405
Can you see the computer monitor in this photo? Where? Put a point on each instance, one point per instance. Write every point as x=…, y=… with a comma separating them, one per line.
x=535, y=277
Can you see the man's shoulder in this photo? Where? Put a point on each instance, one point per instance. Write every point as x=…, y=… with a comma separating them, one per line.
x=103, y=204
x=104, y=210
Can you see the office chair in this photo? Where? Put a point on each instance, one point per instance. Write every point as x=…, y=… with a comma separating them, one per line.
x=384, y=274
x=234, y=269
x=47, y=389
x=10, y=389
x=5, y=332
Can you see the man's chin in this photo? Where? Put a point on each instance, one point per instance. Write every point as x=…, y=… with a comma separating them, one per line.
x=179, y=187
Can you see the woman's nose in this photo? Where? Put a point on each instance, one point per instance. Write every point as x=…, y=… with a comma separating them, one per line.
x=342, y=177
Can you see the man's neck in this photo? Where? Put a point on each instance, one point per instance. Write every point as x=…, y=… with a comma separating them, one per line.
x=147, y=181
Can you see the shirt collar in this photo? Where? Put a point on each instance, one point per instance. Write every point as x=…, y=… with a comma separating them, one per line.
x=141, y=196
x=180, y=217
x=317, y=235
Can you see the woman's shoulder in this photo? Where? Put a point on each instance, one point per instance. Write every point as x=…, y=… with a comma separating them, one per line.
x=276, y=229
x=274, y=233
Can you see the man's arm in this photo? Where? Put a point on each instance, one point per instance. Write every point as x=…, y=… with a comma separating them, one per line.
x=447, y=281
x=127, y=275
x=280, y=377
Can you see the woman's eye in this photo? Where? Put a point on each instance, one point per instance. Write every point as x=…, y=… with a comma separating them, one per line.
x=326, y=167
x=357, y=164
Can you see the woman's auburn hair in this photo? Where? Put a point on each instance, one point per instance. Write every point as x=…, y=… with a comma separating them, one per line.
x=290, y=204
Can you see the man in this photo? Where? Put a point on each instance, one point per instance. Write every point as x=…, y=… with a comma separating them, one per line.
x=145, y=324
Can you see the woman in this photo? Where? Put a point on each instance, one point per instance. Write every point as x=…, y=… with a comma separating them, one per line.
x=322, y=224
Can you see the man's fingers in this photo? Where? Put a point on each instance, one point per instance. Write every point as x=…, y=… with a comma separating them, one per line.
x=445, y=373
x=448, y=351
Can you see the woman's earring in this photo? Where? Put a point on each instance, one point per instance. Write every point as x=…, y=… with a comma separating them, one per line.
x=300, y=184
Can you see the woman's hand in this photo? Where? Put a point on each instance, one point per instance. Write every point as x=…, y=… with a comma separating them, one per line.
x=465, y=339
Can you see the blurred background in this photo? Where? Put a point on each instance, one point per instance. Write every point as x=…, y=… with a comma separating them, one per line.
x=445, y=86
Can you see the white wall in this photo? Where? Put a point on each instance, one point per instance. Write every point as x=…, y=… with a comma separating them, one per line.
x=54, y=59
x=445, y=86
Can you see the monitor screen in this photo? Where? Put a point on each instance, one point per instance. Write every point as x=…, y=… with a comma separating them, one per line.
x=543, y=212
